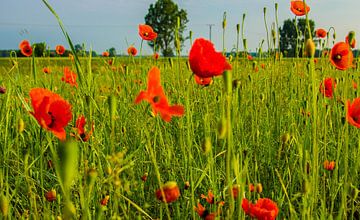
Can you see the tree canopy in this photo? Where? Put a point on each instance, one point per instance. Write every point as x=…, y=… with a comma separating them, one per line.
x=163, y=18
x=290, y=36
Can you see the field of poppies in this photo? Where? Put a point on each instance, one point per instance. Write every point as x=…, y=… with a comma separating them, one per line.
x=201, y=137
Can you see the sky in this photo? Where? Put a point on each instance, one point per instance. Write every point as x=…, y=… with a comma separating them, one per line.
x=102, y=24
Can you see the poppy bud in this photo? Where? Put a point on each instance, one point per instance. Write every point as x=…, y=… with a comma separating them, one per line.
x=310, y=48
x=230, y=58
x=171, y=192
x=2, y=90
x=334, y=35
x=238, y=28
x=4, y=205
x=91, y=177
x=108, y=170
x=50, y=195
x=259, y=188
x=206, y=145
x=222, y=128
x=21, y=125
x=236, y=83
x=144, y=177
x=235, y=191
x=251, y=187
x=350, y=39
x=245, y=43
x=276, y=6
x=285, y=138
x=224, y=21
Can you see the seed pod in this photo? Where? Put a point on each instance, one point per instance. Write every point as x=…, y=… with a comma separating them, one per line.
x=222, y=128
x=4, y=205
x=310, y=48
x=206, y=145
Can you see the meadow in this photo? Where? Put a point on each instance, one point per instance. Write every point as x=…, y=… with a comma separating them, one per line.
x=283, y=131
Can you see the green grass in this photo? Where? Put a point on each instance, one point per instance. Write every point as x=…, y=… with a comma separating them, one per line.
x=266, y=106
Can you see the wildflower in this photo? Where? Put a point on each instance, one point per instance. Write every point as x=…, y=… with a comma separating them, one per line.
x=341, y=56
x=80, y=126
x=235, y=191
x=105, y=200
x=144, y=177
x=209, y=198
x=249, y=57
x=353, y=114
x=204, y=61
x=171, y=192
x=320, y=33
x=203, y=81
x=60, y=49
x=146, y=32
x=51, y=111
x=251, y=187
x=299, y=8
x=69, y=77
x=156, y=56
x=2, y=90
x=50, y=195
x=132, y=51
x=204, y=213
x=327, y=87
x=105, y=54
x=329, y=165
x=263, y=209
x=156, y=97
x=350, y=39
x=25, y=48
x=354, y=84
x=46, y=70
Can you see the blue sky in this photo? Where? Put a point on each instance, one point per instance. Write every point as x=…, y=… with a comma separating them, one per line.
x=102, y=24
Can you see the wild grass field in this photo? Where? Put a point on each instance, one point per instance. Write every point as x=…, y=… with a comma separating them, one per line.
x=140, y=138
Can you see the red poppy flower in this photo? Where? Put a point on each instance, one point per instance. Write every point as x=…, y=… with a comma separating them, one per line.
x=354, y=84
x=51, y=111
x=60, y=49
x=156, y=97
x=203, y=81
x=146, y=32
x=105, y=200
x=341, y=56
x=235, y=191
x=264, y=209
x=353, y=114
x=327, y=87
x=249, y=57
x=171, y=192
x=209, y=198
x=69, y=77
x=80, y=126
x=204, y=213
x=321, y=33
x=329, y=165
x=46, y=70
x=132, y=51
x=156, y=56
x=105, y=54
x=299, y=8
x=352, y=43
x=50, y=196
x=25, y=48
x=205, y=61
x=251, y=187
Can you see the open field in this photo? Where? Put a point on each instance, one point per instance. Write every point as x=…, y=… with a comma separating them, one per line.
x=283, y=129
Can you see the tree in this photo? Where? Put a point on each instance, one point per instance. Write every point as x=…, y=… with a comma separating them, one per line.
x=39, y=49
x=292, y=39
x=112, y=52
x=163, y=18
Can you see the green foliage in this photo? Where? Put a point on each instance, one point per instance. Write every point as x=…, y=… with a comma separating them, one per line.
x=162, y=17
x=112, y=52
x=40, y=49
x=293, y=34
